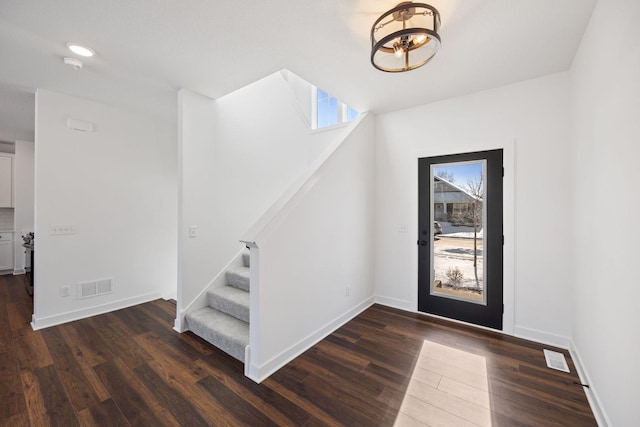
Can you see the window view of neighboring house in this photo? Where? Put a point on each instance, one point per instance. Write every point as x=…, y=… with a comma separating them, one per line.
x=329, y=111
x=452, y=203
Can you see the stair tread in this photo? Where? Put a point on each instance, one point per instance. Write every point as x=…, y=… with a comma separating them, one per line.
x=238, y=277
x=230, y=300
x=222, y=330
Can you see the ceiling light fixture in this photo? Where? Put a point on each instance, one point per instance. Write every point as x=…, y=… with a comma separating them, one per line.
x=405, y=37
x=80, y=50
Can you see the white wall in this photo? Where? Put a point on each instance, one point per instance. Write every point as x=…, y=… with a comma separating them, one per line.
x=606, y=107
x=117, y=185
x=319, y=244
x=23, y=184
x=530, y=121
x=239, y=153
x=7, y=147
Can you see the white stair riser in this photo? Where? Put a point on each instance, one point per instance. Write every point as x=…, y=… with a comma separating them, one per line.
x=238, y=278
x=225, y=332
x=235, y=308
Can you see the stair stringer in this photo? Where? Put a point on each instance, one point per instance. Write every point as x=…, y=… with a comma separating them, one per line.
x=201, y=300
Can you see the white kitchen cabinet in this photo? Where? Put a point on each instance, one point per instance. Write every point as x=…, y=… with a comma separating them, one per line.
x=6, y=251
x=6, y=182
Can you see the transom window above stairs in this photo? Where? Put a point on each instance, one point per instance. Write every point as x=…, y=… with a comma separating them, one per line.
x=328, y=111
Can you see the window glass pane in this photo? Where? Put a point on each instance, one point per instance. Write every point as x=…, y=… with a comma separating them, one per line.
x=333, y=111
x=323, y=112
x=351, y=114
x=458, y=214
x=330, y=111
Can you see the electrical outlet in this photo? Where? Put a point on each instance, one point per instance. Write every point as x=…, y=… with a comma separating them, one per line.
x=193, y=231
x=402, y=228
x=65, y=291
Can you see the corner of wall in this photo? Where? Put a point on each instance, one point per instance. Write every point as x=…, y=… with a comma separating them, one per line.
x=592, y=396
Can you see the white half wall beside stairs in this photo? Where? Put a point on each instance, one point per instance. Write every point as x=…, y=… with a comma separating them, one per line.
x=312, y=255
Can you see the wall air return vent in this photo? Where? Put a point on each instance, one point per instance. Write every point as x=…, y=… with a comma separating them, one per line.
x=556, y=360
x=95, y=288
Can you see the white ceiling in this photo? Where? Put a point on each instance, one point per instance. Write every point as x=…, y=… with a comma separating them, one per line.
x=148, y=49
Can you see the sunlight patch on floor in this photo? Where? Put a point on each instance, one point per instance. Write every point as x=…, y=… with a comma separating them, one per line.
x=448, y=387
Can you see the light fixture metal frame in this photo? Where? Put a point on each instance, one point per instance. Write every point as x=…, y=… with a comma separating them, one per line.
x=397, y=14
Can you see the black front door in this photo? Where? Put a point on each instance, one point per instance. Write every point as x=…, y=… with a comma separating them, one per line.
x=460, y=245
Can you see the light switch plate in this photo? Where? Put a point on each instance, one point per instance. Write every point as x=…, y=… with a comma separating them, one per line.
x=57, y=230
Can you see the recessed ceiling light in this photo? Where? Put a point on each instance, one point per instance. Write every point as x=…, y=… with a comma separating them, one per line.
x=80, y=50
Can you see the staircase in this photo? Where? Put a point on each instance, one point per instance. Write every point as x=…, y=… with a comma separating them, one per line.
x=225, y=321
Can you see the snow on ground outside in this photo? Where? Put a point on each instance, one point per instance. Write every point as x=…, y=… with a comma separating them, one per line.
x=451, y=255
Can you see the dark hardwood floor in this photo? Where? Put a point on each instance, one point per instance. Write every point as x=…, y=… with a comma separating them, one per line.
x=129, y=368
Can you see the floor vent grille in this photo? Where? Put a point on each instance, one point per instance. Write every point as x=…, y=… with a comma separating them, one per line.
x=95, y=288
x=556, y=360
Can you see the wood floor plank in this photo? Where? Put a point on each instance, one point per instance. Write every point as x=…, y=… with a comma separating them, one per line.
x=286, y=386
x=56, y=402
x=462, y=408
x=432, y=415
x=384, y=367
x=79, y=389
x=243, y=412
x=83, y=337
x=21, y=419
x=181, y=381
x=133, y=398
x=275, y=406
x=168, y=306
x=71, y=338
x=154, y=311
x=170, y=398
x=103, y=414
x=119, y=341
x=6, y=336
x=11, y=394
x=36, y=410
x=19, y=315
x=161, y=350
x=30, y=349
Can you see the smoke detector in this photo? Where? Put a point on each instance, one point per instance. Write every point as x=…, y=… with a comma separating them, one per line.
x=74, y=63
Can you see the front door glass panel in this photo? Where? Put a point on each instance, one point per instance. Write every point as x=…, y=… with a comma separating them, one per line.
x=459, y=224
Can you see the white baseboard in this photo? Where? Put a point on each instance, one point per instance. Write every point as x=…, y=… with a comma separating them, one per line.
x=519, y=331
x=179, y=325
x=395, y=303
x=70, y=316
x=592, y=396
x=262, y=372
x=18, y=271
x=542, y=337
